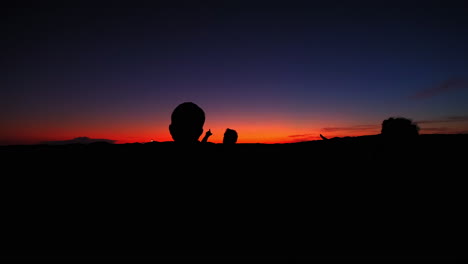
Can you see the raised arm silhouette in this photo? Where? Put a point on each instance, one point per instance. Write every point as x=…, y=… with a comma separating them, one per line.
x=207, y=135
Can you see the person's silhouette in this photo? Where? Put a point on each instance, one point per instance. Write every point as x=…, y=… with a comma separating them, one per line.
x=230, y=136
x=187, y=122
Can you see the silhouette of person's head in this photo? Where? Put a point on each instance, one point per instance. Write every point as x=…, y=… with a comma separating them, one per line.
x=230, y=136
x=187, y=122
x=399, y=128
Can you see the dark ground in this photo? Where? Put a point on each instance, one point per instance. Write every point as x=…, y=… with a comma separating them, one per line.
x=340, y=199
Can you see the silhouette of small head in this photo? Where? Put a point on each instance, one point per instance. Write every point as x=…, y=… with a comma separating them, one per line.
x=187, y=122
x=230, y=136
x=399, y=128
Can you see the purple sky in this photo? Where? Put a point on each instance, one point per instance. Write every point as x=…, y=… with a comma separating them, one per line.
x=276, y=71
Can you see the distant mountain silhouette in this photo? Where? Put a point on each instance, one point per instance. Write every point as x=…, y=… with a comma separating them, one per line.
x=78, y=140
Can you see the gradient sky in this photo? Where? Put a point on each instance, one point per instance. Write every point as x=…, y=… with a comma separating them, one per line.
x=275, y=71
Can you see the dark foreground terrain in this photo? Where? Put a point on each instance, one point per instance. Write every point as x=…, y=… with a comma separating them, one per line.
x=341, y=199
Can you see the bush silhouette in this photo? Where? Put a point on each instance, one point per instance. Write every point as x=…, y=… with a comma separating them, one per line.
x=399, y=128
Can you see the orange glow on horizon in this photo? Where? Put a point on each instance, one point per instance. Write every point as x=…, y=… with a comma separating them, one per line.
x=248, y=136
x=266, y=133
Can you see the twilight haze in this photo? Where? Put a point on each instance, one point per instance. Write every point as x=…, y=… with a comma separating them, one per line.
x=275, y=71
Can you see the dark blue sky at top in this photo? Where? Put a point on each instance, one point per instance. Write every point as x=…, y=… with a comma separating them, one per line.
x=97, y=56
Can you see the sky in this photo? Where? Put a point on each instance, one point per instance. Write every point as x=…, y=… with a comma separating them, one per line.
x=274, y=71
